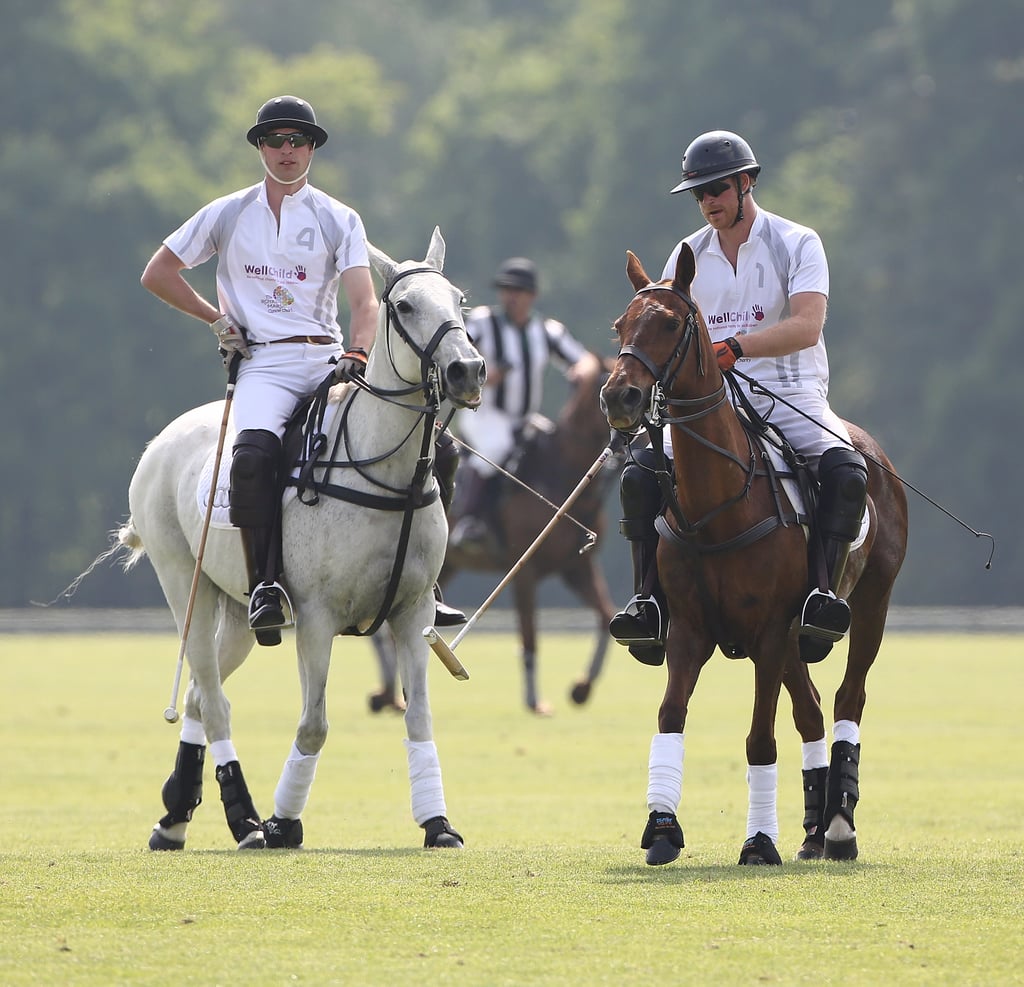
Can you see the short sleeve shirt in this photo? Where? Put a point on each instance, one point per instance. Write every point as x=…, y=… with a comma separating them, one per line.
x=525, y=353
x=779, y=259
x=276, y=282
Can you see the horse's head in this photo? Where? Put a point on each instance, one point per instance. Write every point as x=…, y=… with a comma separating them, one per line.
x=421, y=328
x=664, y=347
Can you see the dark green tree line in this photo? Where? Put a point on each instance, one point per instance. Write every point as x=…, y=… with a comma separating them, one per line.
x=551, y=128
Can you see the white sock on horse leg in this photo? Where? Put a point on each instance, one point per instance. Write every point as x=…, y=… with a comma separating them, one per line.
x=815, y=754
x=762, y=815
x=292, y=792
x=425, y=780
x=665, y=772
x=223, y=752
x=192, y=732
x=846, y=730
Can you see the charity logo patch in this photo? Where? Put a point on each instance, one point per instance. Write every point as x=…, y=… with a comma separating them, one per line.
x=300, y=272
x=758, y=313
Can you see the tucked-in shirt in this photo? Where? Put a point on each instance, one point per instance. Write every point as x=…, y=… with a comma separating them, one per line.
x=277, y=282
x=779, y=259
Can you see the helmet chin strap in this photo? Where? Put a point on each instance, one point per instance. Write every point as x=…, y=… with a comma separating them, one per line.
x=295, y=181
x=739, y=195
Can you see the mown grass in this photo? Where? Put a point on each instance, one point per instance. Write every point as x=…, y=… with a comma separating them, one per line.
x=551, y=888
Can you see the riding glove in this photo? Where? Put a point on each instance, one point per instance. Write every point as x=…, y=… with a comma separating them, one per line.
x=351, y=363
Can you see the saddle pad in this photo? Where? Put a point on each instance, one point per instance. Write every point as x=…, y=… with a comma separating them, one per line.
x=219, y=518
x=792, y=489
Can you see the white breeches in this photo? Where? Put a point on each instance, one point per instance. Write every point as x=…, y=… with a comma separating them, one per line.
x=490, y=432
x=273, y=383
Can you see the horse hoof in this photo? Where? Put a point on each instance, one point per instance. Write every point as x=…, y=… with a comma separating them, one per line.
x=542, y=708
x=811, y=849
x=283, y=834
x=662, y=851
x=157, y=841
x=253, y=841
x=841, y=849
x=384, y=700
x=580, y=692
x=759, y=851
x=439, y=835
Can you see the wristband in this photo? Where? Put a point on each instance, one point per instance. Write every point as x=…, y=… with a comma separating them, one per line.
x=733, y=343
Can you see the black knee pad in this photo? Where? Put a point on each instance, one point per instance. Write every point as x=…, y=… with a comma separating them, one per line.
x=254, y=469
x=640, y=494
x=843, y=475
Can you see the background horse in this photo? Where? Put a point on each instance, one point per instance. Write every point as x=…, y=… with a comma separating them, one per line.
x=339, y=557
x=744, y=597
x=553, y=463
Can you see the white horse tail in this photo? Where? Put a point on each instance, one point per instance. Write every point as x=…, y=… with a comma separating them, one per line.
x=128, y=538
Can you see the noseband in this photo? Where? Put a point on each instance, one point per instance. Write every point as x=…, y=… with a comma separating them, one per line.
x=430, y=380
x=665, y=376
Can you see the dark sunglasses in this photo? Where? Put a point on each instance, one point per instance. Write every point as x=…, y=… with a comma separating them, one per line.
x=294, y=140
x=715, y=188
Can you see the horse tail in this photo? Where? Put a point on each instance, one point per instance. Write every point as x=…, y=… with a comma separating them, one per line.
x=129, y=539
x=126, y=538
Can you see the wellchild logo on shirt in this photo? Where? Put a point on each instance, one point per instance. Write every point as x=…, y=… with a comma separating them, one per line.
x=716, y=320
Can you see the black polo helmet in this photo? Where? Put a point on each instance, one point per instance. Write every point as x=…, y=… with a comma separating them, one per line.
x=517, y=272
x=716, y=154
x=286, y=111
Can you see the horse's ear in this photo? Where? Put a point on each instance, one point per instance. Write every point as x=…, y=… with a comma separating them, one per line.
x=635, y=271
x=435, y=252
x=384, y=265
x=686, y=268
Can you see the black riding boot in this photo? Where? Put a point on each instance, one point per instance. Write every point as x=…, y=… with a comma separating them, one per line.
x=446, y=463
x=470, y=531
x=825, y=618
x=253, y=508
x=642, y=624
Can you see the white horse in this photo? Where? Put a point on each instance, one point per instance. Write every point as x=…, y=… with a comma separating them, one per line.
x=340, y=558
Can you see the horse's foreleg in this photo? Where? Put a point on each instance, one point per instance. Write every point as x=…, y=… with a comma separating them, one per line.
x=526, y=611
x=429, y=809
x=762, y=766
x=810, y=725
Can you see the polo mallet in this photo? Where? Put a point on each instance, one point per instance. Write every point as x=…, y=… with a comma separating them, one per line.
x=446, y=652
x=171, y=713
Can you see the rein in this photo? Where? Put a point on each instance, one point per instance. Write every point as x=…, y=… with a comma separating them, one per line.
x=695, y=409
x=407, y=499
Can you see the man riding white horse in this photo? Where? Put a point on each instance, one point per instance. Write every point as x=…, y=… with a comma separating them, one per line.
x=283, y=248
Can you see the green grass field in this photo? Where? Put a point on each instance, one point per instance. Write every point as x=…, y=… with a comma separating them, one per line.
x=552, y=887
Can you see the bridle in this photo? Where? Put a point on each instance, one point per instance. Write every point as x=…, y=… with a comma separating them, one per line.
x=694, y=409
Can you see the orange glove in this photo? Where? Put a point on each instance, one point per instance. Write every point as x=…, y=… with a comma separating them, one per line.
x=350, y=364
x=728, y=352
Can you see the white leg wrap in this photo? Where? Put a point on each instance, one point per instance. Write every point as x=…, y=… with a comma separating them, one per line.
x=846, y=730
x=223, y=752
x=815, y=754
x=762, y=815
x=292, y=792
x=192, y=732
x=665, y=772
x=425, y=781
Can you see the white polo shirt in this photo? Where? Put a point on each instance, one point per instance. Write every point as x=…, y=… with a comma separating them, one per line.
x=276, y=283
x=779, y=259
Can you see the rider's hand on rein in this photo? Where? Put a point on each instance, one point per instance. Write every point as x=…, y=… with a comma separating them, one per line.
x=727, y=353
x=351, y=364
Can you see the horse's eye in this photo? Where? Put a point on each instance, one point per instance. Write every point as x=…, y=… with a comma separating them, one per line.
x=673, y=325
x=404, y=307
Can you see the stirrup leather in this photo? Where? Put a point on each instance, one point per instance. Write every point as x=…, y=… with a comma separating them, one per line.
x=639, y=622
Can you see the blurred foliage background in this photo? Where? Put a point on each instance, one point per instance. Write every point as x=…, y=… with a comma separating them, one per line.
x=550, y=128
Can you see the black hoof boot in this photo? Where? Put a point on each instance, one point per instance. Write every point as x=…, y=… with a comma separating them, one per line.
x=759, y=851
x=283, y=834
x=241, y=814
x=662, y=839
x=813, y=847
x=438, y=833
x=157, y=841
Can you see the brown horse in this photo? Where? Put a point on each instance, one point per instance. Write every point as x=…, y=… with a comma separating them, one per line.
x=736, y=580
x=552, y=463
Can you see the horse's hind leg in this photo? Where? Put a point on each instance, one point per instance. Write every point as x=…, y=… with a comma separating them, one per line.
x=810, y=724
x=387, y=698
x=525, y=593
